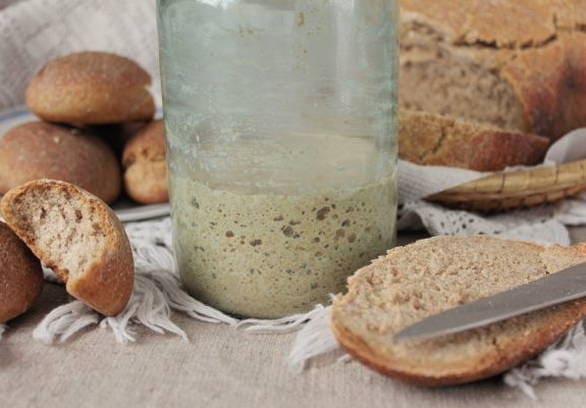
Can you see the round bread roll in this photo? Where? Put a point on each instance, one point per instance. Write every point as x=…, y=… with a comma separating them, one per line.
x=145, y=168
x=117, y=135
x=41, y=150
x=76, y=235
x=91, y=88
x=21, y=276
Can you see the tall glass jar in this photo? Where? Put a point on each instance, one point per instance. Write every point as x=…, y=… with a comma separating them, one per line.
x=281, y=129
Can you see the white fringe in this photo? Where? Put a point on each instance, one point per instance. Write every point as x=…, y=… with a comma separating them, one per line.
x=157, y=293
x=3, y=328
x=315, y=339
x=283, y=325
x=64, y=321
x=566, y=359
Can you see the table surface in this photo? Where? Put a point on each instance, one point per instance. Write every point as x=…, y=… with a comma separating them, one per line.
x=218, y=367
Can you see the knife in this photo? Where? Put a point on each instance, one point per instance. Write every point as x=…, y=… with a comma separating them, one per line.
x=554, y=289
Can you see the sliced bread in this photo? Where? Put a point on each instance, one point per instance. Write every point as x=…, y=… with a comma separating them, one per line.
x=78, y=236
x=432, y=275
x=430, y=139
x=21, y=277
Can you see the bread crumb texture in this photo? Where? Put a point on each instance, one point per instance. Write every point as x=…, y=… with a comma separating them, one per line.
x=77, y=235
x=433, y=275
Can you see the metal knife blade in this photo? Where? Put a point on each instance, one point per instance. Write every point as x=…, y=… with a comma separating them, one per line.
x=554, y=289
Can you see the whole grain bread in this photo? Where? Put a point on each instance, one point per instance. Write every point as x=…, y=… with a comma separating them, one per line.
x=145, y=167
x=517, y=64
x=21, y=276
x=91, y=88
x=39, y=150
x=431, y=139
x=78, y=236
x=432, y=275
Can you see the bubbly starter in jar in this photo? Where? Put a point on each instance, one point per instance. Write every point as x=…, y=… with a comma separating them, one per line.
x=281, y=146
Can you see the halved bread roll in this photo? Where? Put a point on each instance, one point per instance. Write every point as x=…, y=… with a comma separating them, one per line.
x=78, y=236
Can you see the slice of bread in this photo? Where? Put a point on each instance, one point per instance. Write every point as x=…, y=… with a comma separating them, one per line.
x=145, y=167
x=432, y=275
x=430, y=139
x=21, y=277
x=78, y=236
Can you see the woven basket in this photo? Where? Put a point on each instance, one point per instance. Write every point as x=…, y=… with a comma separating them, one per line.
x=517, y=189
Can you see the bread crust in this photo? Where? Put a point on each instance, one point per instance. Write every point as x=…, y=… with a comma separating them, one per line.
x=21, y=276
x=508, y=353
x=145, y=166
x=106, y=284
x=38, y=150
x=91, y=88
x=550, y=83
x=536, y=48
x=430, y=139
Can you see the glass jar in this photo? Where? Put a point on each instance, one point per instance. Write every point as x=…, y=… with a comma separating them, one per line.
x=281, y=135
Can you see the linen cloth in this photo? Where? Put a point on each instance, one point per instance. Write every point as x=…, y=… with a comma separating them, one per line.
x=34, y=31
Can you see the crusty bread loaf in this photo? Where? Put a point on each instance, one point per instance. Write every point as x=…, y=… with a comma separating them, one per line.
x=145, y=167
x=41, y=150
x=78, y=236
x=517, y=64
x=431, y=139
x=91, y=88
x=21, y=276
x=432, y=275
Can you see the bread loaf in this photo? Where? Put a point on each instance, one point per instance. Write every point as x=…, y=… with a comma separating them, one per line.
x=21, y=277
x=41, y=150
x=76, y=235
x=430, y=276
x=516, y=64
x=91, y=88
x=431, y=139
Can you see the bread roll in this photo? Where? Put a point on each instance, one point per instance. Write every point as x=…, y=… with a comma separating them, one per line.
x=41, y=150
x=91, y=88
x=21, y=276
x=76, y=235
x=145, y=167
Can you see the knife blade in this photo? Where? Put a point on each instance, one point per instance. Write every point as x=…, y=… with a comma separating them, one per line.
x=554, y=289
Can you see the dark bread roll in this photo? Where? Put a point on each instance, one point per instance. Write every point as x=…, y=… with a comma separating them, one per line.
x=91, y=88
x=39, y=150
x=21, y=276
